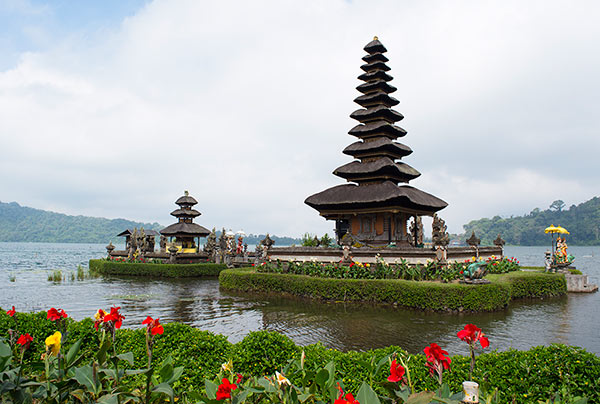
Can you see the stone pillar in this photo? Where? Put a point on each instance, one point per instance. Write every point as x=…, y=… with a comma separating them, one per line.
x=109, y=249
x=172, y=254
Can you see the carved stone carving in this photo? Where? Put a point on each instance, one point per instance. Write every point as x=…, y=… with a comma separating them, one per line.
x=109, y=249
x=163, y=243
x=439, y=235
x=211, y=243
x=172, y=254
x=347, y=240
x=473, y=241
x=416, y=227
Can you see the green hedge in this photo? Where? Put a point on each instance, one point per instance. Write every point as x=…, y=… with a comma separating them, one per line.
x=414, y=294
x=106, y=267
x=522, y=376
x=532, y=284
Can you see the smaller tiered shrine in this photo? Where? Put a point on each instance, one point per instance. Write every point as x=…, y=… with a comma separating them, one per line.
x=185, y=234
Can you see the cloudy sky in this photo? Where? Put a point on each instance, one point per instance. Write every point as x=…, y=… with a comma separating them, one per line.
x=114, y=108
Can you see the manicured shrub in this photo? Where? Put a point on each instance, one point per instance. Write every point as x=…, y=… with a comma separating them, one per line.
x=414, y=294
x=263, y=352
x=520, y=376
x=422, y=295
x=106, y=267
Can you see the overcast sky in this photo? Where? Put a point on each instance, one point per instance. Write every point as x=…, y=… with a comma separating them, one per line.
x=114, y=108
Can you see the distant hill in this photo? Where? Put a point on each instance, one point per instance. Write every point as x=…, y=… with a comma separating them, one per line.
x=20, y=223
x=582, y=221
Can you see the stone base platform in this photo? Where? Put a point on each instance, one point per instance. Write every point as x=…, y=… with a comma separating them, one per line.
x=579, y=284
x=412, y=255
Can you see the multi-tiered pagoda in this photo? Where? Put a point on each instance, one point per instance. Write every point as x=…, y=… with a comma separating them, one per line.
x=373, y=208
x=185, y=231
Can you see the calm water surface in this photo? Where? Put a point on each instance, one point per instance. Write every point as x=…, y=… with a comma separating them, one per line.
x=24, y=269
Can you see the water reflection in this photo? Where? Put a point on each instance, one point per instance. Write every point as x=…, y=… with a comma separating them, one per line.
x=200, y=303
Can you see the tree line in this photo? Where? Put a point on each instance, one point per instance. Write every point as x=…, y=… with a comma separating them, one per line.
x=582, y=221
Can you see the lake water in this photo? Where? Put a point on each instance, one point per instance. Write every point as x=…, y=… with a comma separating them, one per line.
x=24, y=269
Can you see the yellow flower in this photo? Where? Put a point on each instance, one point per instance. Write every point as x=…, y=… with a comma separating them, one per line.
x=367, y=265
x=99, y=315
x=281, y=379
x=227, y=366
x=53, y=343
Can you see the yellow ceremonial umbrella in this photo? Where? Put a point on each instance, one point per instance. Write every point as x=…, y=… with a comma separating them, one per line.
x=551, y=229
x=562, y=230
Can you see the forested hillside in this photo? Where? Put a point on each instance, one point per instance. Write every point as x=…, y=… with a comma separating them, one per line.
x=20, y=223
x=583, y=221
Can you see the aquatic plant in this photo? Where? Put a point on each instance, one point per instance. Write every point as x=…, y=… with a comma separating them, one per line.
x=55, y=276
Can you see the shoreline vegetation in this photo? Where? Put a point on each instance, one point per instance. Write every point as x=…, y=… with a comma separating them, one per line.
x=187, y=359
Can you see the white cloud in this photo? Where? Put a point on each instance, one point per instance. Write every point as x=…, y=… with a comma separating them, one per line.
x=246, y=104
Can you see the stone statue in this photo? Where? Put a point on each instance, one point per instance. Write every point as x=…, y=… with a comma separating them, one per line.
x=143, y=242
x=416, y=227
x=499, y=242
x=240, y=245
x=222, y=241
x=473, y=241
x=475, y=270
x=109, y=249
x=163, y=243
x=211, y=243
x=266, y=243
x=439, y=235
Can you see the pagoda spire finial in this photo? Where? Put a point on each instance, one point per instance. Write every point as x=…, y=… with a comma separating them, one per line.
x=375, y=38
x=186, y=193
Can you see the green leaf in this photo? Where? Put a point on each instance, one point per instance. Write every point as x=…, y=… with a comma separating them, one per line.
x=73, y=352
x=101, y=355
x=366, y=395
x=175, y=375
x=322, y=377
x=211, y=389
x=423, y=397
x=84, y=376
x=128, y=356
x=108, y=399
x=163, y=388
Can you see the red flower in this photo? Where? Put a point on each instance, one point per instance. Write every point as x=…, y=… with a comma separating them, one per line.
x=54, y=314
x=154, y=326
x=115, y=317
x=225, y=388
x=396, y=372
x=99, y=316
x=436, y=359
x=11, y=312
x=349, y=399
x=471, y=334
x=25, y=340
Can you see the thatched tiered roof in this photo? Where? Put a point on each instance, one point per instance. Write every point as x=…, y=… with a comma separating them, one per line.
x=186, y=215
x=376, y=169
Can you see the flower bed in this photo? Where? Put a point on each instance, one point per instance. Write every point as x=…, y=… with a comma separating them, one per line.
x=414, y=294
x=112, y=267
x=199, y=361
x=382, y=270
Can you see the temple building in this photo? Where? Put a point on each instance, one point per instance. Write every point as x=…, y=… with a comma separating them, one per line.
x=185, y=234
x=372, y=207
